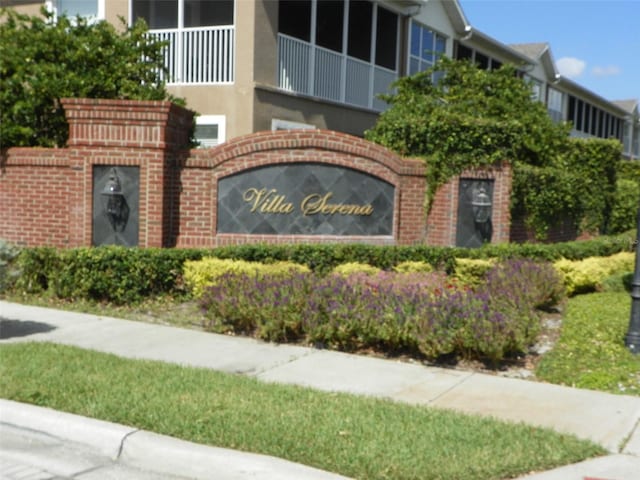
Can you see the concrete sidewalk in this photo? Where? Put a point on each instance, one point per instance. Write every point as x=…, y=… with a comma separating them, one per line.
x=609, y=420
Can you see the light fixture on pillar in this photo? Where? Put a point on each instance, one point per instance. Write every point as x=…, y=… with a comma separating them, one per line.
x=114, y=202
x=632, y=339
x=482, y=209
x=481, y=204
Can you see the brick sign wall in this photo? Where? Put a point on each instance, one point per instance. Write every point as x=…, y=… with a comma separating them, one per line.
x=349, y=190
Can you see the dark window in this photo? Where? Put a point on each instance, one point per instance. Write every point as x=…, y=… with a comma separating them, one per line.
x=294, y=18
x=329, y=21
x=204, y=13
x=594, y=120
x=495, y=64
x=157, y=13
x=482, y=61
x=571, y=115
x=386, y=38
x=463, y=53
x=360, y=23
x=579, y=111
x=587, y=118
x=601, y=124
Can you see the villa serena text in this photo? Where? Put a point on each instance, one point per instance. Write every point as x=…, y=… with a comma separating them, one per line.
x=271, y=202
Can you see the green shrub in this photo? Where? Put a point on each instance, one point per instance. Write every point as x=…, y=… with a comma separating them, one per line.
x=472, y=271
x=37, y=266
x=8, y=267
x=588, y=275
x=117, y=274
x=618, y=282
x=624, y=214
x=413, y=266
x=200, y=274
x=352, y=268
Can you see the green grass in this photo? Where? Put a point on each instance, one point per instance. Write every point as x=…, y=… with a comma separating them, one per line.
x=356, y=436
x=590, y=352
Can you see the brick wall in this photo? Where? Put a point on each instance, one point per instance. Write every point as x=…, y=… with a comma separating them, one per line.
x=46, y=194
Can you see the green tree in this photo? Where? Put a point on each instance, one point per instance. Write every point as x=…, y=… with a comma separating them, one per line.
x=42, y=61
x=474, y=118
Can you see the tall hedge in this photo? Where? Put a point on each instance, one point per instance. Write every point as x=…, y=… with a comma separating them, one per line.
x=42, y=61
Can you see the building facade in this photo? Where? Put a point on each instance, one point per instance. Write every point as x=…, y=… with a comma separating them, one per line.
x=252, y=65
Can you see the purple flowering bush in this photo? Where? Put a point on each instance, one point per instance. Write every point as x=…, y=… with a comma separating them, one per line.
x=421, y=313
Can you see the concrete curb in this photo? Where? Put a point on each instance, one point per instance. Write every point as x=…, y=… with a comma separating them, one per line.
x=154, y=452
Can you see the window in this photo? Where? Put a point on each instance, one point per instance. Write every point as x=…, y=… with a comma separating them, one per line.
x=554, y=105
x=463, y=53
x=337, y=50
x=386, y=39
x=158, y=15
x=360, y=25
x=161, y=14
x=277, y=124
x=210, y=130
x=536, y=87
x=482, y=61
x=90, y=9
x=601, y=124
x=294, y=18
x=329, y=21
x=579, y=111
x=426, y=47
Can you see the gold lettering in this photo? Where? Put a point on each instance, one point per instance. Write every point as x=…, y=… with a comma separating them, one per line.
x=316, y=203
x=267, y=201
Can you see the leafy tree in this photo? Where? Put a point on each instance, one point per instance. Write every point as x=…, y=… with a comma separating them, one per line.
x=42, y=61
x=474, y=118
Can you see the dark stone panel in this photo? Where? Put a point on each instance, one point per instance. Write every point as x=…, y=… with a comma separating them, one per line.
x=475, y=206
x=305, y=199
x=116, y=202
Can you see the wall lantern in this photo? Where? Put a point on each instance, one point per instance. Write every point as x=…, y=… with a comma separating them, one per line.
x=114, y=203
x=481, y=205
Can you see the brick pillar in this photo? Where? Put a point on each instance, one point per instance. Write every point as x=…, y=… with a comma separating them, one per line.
x=147, y=134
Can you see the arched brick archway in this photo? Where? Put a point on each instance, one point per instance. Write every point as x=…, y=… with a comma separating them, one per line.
x=305, y=148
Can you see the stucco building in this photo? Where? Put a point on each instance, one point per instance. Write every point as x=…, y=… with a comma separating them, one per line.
x=252, y=65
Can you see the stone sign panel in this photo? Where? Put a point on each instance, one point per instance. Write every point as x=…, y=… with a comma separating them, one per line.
x=305, y=199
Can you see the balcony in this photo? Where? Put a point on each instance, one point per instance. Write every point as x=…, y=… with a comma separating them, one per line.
x=202, y=55
x=322, y=73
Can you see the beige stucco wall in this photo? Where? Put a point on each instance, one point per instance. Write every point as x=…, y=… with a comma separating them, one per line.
x=114, y=9
x=24, y=7
x=233, y=100
x=273, y=104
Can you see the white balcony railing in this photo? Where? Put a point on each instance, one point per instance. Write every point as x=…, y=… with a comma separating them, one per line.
x=199, y=55
x=315, y=71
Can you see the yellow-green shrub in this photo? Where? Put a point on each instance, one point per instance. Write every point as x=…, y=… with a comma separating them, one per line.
x=203, y=273
x=413, y=267
x=351, y=268
x=472, y=271
x=588, y=275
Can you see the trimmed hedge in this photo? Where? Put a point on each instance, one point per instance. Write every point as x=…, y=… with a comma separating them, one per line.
x=123, y=275
x=113, y=274
x=200, y=274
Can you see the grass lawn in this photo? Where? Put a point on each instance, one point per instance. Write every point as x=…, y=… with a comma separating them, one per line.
x=590, y=352
x=355, y=436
